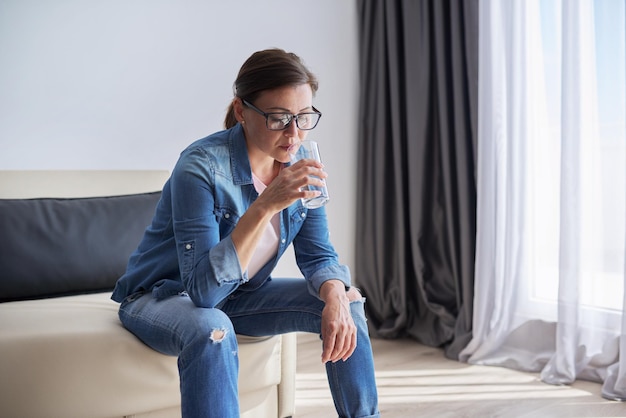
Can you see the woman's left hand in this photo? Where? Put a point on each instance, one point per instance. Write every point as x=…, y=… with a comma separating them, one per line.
x=338, y=328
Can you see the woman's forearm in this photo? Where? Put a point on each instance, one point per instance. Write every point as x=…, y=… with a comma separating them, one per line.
x=248, y=232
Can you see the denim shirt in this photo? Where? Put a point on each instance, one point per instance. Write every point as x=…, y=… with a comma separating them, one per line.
x=188, y=247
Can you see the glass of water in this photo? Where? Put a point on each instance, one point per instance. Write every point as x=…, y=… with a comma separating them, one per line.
x=309, y=149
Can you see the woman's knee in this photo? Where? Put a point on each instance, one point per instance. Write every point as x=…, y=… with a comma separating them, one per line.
x=357, y=307
x=354, y=294
x=210, y=323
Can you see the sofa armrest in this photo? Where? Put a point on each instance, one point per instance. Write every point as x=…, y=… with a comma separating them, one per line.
x=287, y=387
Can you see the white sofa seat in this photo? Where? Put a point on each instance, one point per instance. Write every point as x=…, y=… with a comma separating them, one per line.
x=71, y=357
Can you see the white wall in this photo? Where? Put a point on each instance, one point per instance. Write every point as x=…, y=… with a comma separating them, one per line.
x=119, y=84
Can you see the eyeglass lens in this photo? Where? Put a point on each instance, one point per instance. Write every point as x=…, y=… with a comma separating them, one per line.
x=304, y=121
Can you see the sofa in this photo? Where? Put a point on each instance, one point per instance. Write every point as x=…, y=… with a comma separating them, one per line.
x=65, y=239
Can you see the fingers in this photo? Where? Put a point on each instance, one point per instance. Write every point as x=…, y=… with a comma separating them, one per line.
x=299, y=175
x=349, y=352
x=290, y=184
x=339, y=344
x=303, y=174
x=328, y=348
x=308, y=168
x=307, y=162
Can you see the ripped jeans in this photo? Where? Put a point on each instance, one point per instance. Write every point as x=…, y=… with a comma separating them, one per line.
x=204, y=341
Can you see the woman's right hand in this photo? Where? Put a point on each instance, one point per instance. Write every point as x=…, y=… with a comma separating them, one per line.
x=279, y=194
x=290, y=183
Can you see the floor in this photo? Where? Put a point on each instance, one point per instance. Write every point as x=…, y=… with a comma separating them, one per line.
x=418, y=381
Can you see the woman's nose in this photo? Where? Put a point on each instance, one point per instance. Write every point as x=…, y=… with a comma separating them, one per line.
x=291, y=130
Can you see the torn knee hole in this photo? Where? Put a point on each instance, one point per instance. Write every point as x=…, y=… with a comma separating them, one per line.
x=217, y=335
x=354, y=294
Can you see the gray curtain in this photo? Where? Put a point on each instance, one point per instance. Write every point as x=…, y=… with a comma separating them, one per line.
x=416, y=216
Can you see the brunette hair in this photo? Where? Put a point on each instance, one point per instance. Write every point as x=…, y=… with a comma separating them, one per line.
x=266, y=70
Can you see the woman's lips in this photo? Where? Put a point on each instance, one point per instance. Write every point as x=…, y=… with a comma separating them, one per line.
x=291, y=148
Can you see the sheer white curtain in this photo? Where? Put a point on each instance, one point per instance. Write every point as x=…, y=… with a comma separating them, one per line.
x=550, y=258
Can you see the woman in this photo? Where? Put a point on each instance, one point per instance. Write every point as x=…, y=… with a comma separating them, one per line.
x=228, y=212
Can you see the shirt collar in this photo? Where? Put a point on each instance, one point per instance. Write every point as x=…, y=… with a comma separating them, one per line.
x=239, y=162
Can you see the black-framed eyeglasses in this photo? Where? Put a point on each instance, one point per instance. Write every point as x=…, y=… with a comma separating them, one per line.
x=277, y=121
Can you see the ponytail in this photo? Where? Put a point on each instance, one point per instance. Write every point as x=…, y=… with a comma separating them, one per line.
x=230, y=120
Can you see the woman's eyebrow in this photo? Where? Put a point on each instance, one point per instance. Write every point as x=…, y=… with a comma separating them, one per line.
x=282, y=109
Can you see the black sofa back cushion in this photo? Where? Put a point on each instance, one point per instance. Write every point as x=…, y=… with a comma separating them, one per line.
x=56, y=247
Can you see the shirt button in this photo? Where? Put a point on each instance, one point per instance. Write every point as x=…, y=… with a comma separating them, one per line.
x=283, y=240
x=227, y=215
x=188, y=246
x=303, y=214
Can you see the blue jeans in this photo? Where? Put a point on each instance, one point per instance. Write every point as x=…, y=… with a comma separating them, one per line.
x=204, y=341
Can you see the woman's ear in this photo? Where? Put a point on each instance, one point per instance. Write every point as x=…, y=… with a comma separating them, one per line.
x=238, y=109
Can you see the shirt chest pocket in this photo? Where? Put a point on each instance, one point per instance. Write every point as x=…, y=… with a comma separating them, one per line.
x=226, y=219
x=296, y=219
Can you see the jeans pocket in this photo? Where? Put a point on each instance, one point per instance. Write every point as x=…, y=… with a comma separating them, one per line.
x=132, y=297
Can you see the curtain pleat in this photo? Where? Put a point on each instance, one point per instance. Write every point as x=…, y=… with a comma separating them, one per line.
x=416, y=170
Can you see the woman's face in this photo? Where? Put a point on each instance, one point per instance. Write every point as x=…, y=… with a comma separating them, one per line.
x=263, y=142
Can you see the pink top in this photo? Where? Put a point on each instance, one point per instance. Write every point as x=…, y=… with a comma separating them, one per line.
x=268, y=244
